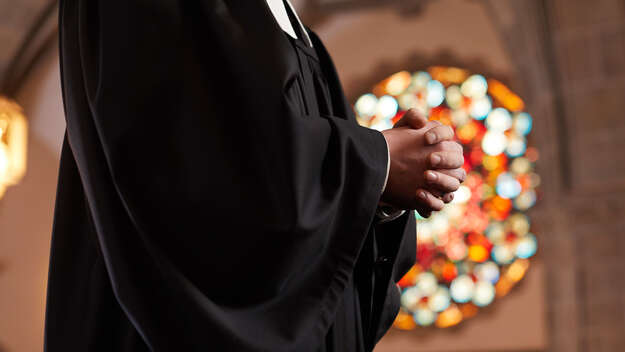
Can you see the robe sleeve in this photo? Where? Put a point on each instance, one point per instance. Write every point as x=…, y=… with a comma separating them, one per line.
x=396, y=244
x=224, y=216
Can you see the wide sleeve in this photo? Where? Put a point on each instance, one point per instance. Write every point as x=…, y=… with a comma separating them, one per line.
x=224, y=216
x=396, y=246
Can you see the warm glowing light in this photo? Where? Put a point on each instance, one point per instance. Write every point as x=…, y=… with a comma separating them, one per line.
x=480, y=107
x=13, y=134
x=450, y=271
x=526, y=247
x=474, y=87
x=503, y=286
x=462, y=289
x=410, y=298
x=420, y=80
x=502, y=254
x=494, y=143
x=505, y=96
x=440, y=300
x=484, y=293
x=398, y=82
x=427, y=284
x=435, y=93
x=450, y=317
x=448, y=75
x=508, y=186
x=516, y=146
x=467, y=132
x=404, y=321
x=468, y=310
x=522, y=123
x=478, y=253
x=499, y=120
x=387, y=107
x=487, y=271
x=410, y=278
x=366, y=106
x=424, y=317
x=409, y=101
x=517, y=270
x=5, y=162
x=454, y=97
x=462, y=195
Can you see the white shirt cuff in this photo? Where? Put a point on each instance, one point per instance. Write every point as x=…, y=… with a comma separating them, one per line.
x=388, y=166
x=386, y=214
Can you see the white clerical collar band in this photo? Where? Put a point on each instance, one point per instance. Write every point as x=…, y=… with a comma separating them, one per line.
x=279, y=11
x=301, y=25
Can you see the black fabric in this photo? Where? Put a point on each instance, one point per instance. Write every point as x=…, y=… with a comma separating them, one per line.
x=215, y=191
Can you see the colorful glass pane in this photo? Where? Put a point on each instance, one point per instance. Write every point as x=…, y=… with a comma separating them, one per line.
x=477, y=248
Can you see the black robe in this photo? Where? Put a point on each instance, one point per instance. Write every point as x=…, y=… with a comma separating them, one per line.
x=215, y=190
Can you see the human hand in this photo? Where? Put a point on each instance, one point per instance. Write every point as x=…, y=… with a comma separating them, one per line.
x=425, y=164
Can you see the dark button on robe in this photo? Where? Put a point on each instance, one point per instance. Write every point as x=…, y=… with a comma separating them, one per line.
x=215, y=191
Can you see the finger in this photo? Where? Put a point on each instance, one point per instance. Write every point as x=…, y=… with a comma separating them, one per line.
x=430, y=201
x=413, y=119
x=451, y=146
x=424, y=212
x=441, y=181
x=448, y=198
x=445, y=197
x=439, y=134
x=458, y=173
x=446, y=160
x=433, y=123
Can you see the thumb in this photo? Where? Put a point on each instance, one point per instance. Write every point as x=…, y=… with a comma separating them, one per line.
x=412, y=119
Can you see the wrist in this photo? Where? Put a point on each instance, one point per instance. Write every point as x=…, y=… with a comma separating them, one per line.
x=386, y=212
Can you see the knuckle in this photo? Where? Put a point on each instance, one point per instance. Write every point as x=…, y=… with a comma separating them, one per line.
x=438, y=205
x=461, y=175
x=454, y=181
x=449, y=146
x=442, y=131
x=452, y=186
x=457, y=159
x=429, y=200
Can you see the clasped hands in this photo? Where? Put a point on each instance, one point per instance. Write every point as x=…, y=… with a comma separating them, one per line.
x=426, y=164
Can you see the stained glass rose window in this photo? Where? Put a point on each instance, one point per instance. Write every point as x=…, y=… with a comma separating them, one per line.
x=479, y=246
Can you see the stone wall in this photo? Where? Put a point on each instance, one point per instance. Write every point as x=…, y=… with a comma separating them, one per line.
x=571, y=55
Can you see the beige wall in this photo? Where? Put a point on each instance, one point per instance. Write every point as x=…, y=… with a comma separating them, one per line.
x=359, y=41
x=26, y=215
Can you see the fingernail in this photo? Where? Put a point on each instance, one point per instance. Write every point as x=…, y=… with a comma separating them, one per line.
x=435, y=159
x=430, y=137
x=451, y=196
x=430, y=176
x=422, y=195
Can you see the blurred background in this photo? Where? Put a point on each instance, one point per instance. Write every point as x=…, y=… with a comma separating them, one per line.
x=536, y=92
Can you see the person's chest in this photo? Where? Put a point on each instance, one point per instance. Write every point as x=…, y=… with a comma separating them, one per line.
x=308, y=93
